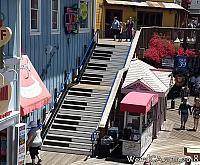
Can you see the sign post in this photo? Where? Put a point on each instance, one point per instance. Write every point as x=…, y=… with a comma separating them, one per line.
x=20, y=130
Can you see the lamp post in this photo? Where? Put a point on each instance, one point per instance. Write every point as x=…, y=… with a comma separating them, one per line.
x=177, y=45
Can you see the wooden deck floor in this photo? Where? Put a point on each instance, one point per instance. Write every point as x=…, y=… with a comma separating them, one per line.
x=170, y=144
x=54, y=158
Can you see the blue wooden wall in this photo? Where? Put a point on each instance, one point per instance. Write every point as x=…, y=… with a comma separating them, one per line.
x=9, y=9
x=69, y=47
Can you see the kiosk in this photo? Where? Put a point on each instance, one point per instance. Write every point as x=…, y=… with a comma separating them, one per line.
x=139, y=110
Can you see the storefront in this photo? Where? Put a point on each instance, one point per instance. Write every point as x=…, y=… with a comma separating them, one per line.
x=9, y=116
x=146, y=13
x=139, y=112
x=142, y=77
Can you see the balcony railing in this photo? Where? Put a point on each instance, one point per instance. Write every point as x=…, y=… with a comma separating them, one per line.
x=189, y=37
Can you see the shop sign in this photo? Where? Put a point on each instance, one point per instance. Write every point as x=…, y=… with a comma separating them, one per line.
x=181, y=63
x=5, y=35
x=168, y=62
x=131, y=148
x=5, y=97
x=146, y=138
x=21, y=149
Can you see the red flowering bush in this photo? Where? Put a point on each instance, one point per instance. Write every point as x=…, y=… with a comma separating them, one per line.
x=189, y=53
x=159, y=48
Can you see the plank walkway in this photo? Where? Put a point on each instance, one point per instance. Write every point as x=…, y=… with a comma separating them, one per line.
x=169, y=144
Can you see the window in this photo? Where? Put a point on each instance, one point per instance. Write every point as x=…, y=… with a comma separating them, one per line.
x=85, y=15
x=55, y=15
x=35, y=18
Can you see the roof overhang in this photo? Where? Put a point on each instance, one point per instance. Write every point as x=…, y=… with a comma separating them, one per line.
x=162, y=5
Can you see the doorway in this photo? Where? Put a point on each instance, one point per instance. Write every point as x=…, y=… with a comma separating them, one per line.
x=110, y=14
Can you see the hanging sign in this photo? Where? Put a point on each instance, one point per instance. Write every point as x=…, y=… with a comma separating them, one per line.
x=5, y=35
x=5, y=96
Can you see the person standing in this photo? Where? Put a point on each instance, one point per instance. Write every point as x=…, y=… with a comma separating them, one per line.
x=130, y=29
x=196, y=113
x=34, y=142
x=115, y=28
x=184, y=110
x=185, y=92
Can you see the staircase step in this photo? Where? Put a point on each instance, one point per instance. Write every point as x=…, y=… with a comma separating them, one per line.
x=74, y=88
x=67, y=144
x=91, y=78
x=78, y=121
x=69, y=138
x=75, y=122
x=90, y=102
x=75, y=102
x=105, y=45
x=78, y=107
x=100, y=58
x=76, y=93
x=103, y=51
x=81, y=113
x=65, y=116
x=96, y=64
x=75, y=107
x=72, y=127
x=95, y=68
x=93, y=75
x=60, y=132
x=90, y=82
x=66, y=150
x=82, y=98
x=68, y=122
x=105, y=55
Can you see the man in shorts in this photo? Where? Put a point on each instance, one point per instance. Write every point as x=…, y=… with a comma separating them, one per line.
x=184, y=110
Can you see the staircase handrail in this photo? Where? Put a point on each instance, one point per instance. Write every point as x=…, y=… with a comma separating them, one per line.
x=117, y=81
x=61, y=95
x=65, y=86
x=87, y=55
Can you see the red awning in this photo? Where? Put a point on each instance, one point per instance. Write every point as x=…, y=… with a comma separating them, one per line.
x=138, y=102
x=34, y=94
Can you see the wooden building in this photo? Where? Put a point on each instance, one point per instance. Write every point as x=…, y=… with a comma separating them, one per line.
x=55, y=36
x=145, y=13
x=142, y=77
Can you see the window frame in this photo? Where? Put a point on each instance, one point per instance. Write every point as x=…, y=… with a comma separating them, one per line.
x=85, y=30
x=38, y=30
x=55, y=31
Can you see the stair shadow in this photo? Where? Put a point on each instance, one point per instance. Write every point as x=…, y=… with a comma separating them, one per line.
x=191, y=130
x=165, y=130
x=178, y=129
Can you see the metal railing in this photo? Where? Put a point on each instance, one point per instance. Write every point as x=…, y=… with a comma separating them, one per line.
x=189, y=37
x=63, y=91
x=66, y=86
x=81, y=68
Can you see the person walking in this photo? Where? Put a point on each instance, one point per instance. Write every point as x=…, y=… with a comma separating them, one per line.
x=34, y=142
x=130, y=29
x=184, y=110
x=196, y=113
x=115, y=28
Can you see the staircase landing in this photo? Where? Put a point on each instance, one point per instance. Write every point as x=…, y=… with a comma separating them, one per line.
x=110, y=41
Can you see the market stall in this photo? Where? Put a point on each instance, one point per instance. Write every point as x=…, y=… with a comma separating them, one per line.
x=139, y=110
x=142, y=77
